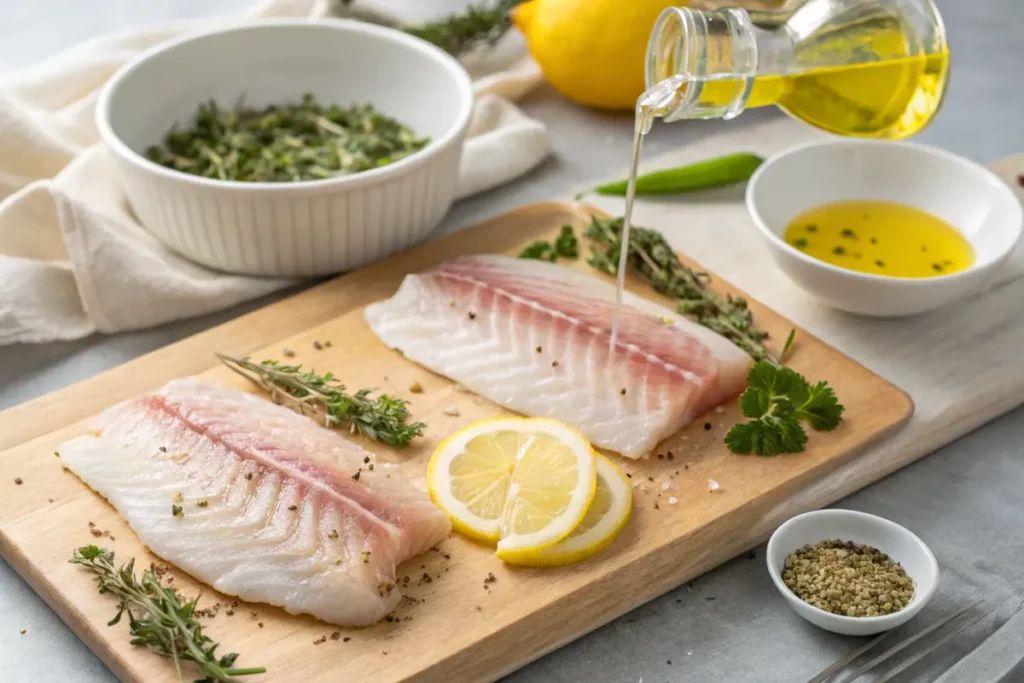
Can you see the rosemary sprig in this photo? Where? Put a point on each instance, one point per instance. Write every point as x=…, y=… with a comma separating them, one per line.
x=381, y=418
x=159, y=618
x=652, y=256
x=285, y=142
x=479, y=25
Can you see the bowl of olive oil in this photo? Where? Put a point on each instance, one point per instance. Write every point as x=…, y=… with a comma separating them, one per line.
x=884, y=228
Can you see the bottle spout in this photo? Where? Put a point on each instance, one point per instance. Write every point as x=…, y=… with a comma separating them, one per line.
x=708, y=59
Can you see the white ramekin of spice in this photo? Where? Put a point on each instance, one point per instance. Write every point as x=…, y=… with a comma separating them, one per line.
x=328, y=144
x=850, y=572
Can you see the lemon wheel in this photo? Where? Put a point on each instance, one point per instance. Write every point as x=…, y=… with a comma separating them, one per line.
x=523, y=483
x=607, y=515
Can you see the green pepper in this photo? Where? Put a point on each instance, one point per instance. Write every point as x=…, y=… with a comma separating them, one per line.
x=704, y=175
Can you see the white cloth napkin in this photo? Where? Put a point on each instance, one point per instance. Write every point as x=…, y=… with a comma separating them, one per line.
x=74, y=261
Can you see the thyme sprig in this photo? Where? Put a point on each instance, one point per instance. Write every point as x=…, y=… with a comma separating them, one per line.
x=479, y=25
x=382, y=418
x=652, y=257
x=159, y=617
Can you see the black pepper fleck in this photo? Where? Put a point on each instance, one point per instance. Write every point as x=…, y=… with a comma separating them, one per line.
x=707, y=426
x=18, y=481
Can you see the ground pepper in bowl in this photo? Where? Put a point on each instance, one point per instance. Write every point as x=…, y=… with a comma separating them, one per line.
x=848, y=579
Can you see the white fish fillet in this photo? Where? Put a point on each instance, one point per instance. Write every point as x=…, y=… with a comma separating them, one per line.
x=534, y=337
x=270, y=510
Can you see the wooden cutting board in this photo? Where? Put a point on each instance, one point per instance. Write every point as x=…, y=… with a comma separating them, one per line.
x=456, y=627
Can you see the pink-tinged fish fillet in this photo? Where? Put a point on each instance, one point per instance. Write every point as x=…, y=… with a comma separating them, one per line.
x=534, y=337
x=273, y=507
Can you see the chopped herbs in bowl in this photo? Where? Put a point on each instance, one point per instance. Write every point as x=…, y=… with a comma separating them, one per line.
x=283, y=143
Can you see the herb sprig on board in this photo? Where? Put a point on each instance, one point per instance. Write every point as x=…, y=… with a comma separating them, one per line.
x=778, y=400
x=286, y=142
x=652, y=256
x=159, y=618
x=382, y=418
x=479, y=25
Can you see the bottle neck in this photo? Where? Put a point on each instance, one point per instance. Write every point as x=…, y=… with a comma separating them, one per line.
x=702, y=64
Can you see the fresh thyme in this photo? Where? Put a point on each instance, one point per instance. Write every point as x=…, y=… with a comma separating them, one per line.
x=479, y=25
x=382, y=418
x=159, y=617
x=564, y=246
x=653, y=257
x=777, y=400
x=285, y=143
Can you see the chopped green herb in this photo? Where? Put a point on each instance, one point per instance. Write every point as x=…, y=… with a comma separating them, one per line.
x=812, y=228
x=176, y=511
x=800, y=243
x=285, y=143
x=938, y=267
x=880, y=264
x=848, y=233
x=839, y=251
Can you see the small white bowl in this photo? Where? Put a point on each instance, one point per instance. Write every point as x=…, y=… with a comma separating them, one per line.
x=966, y=195
x=859, y=527
x=289, y=229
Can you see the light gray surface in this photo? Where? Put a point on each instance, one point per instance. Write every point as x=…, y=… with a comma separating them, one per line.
x=965, y=501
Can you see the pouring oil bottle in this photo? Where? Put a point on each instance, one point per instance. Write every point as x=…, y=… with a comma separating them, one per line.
x=865, y=68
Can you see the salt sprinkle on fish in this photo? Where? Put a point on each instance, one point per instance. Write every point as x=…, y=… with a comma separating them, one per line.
x=673, y=500
x=665, y=486
x=713, y=485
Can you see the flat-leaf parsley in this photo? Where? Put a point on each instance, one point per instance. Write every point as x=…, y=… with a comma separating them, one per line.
x=776, y=400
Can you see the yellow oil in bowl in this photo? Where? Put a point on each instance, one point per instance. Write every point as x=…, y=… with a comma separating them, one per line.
x=881, y=238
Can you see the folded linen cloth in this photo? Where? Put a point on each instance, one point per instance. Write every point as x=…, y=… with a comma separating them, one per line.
x=73, y=259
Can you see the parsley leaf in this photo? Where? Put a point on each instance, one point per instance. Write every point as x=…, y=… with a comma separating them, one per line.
x=776, y=400
x=821, y=409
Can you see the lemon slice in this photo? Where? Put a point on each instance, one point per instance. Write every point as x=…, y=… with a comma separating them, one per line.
x=608, y=513
x=525, y=483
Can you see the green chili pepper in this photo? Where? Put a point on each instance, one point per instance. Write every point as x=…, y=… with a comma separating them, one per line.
x=704, y=175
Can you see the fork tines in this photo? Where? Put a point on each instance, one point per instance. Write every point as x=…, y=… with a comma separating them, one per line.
x=961, y=626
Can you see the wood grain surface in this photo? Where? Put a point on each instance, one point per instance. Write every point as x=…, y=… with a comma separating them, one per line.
x=454, y=627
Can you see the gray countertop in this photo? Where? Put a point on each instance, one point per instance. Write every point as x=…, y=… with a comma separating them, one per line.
x=730, y=625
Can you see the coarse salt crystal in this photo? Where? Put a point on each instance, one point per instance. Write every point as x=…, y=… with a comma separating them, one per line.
x=713, y=485
x=719, y=410
x=673, y=500
x=452, y=411
x=665, y=486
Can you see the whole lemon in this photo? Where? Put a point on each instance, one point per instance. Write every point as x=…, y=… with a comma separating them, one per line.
x=591, y=51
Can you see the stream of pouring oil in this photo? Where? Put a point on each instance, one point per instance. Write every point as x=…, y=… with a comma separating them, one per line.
x=655, y=102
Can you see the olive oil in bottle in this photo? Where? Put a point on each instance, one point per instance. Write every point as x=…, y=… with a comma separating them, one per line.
x=867, y=68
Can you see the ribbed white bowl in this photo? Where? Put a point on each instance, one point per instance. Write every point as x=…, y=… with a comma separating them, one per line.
x=290, y=229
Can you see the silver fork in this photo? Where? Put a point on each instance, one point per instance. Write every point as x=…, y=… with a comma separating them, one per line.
x=962, y=627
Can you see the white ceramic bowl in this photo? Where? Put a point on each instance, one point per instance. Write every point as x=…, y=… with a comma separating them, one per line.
x=966, y=195
x=858, y=527
x=290, y=229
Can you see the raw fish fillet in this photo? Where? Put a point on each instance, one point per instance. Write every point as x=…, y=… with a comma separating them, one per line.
x=270, y=510
x=534, y=337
